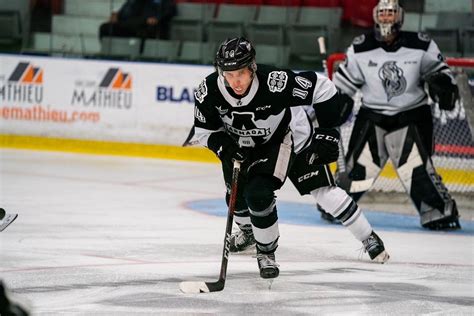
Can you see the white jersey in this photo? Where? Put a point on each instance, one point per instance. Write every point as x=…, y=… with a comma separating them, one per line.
x=390, y=77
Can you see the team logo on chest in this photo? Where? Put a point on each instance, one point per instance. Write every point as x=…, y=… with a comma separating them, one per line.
x=243, y=125
x=393, y=81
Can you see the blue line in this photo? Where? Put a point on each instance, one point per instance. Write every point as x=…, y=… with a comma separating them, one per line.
x=306, y=214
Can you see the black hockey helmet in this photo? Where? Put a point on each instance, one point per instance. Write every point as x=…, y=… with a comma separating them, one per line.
x=235, y=53
x=384, y=30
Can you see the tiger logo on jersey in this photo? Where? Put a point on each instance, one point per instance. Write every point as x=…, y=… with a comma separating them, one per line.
x=393, y=80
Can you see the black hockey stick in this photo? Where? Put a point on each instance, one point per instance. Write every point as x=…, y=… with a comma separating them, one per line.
x=6, y=219
x=206, y=287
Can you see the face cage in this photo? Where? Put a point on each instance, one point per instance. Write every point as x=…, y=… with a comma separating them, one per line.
x=384, y=30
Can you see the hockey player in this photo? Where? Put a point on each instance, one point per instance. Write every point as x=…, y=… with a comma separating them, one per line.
x=390, y=68
x=244, y=114
x=318, y=181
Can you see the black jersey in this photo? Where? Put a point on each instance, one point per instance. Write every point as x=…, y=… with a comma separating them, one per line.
x=263, y=115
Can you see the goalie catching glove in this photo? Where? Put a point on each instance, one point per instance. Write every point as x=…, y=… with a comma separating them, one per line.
x=225, y=147
x=324, y=146
x=442, y=90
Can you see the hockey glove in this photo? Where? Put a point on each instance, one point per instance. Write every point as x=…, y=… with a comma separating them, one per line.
x=224, y=146
x=442, y=90
x=324, y=146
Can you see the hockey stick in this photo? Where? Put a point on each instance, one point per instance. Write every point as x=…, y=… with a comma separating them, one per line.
x=343, y=177
x=6, y=219
x=206, y=287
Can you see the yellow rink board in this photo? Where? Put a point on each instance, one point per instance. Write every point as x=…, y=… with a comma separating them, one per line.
x=450, y=176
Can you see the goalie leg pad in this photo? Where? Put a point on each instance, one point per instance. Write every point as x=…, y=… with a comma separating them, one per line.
x=415, y=169
x=366, y=156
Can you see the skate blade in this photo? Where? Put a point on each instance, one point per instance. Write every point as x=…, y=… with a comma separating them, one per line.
x=382, y=257
x=7, y=220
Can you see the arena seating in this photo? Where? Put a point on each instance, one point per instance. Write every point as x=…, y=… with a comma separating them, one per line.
x=291, y=26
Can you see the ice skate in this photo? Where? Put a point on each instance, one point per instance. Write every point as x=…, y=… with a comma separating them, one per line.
x=267, y=265
x=375, y=248
x=241, y=240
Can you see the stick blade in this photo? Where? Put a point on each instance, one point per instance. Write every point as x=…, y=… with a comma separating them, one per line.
x=7, y=220
x=190, y=287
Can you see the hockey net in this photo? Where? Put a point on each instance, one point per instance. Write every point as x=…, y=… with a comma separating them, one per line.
x=454, y=149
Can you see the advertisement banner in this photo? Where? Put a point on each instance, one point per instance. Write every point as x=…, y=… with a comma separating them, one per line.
x=98, y=100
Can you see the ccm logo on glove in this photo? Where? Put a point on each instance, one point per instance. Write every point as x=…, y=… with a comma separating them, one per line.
x=326, y=137
x=324, y=146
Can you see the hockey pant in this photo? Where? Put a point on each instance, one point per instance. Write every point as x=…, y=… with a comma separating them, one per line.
x=319, y=182
x=263, y=172
x=372, y=146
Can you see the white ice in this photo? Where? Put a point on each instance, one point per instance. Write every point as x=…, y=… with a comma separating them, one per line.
x=103, y=235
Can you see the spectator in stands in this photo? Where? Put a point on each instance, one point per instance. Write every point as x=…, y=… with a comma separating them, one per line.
x=140, y=18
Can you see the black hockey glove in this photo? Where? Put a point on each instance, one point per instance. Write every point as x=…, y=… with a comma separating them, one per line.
x=442, y=90
x=324, y=146
x=225, y=147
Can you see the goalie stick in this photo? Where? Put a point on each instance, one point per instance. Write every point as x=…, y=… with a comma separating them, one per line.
x=206, y=287
x=342, y=176
x=6, y=219
x=341, y=163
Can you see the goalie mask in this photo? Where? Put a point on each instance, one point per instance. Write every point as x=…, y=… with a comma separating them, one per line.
x=388, y=18
x=234, y=54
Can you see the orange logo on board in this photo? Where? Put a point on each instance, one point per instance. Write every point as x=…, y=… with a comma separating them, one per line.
x=116, y=79
x=25, y=72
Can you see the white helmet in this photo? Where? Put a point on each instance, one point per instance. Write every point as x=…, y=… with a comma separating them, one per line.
x=384, y=29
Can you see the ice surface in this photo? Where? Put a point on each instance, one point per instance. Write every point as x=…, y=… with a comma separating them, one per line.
x=102, y=235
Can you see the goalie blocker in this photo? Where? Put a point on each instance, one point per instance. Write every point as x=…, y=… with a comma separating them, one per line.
x=409, y=147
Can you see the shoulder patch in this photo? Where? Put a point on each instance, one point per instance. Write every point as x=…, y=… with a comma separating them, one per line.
x=201, y=91
x=277, y=81
x=358, y=40
x=424, y=37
